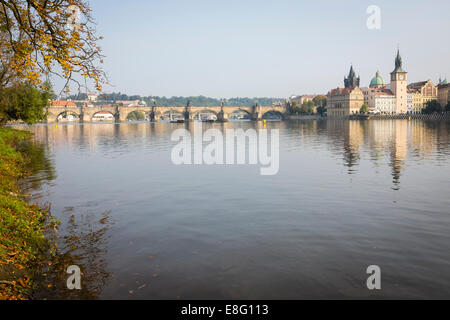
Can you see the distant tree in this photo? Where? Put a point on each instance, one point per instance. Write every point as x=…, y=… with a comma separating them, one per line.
x=320, y=101
x=79, y=96
x=364, y=109
x=136, y=116
x=181, y=101
x=321, y=110
x=23, y=102
x=307, y=107
x=447, y=108
x=295, y=108
x=433, y=107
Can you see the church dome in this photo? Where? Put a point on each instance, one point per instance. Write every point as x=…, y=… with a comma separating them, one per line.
x=377, y=81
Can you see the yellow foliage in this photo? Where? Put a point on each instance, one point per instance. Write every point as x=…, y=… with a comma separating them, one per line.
x=41, y=38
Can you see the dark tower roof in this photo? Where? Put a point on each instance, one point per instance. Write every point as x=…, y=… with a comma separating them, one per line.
x=398, y=63
x=352, y=80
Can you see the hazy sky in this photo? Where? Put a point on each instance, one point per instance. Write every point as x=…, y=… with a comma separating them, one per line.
x=265, y=48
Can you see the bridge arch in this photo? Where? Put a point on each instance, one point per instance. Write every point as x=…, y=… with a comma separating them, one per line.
x=171, y=114
x=103, y=116
x=272, y=115
x=66, y=116
x=239, y=114
x=205, y=114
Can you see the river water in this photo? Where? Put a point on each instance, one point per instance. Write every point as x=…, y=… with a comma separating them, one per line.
x=349, y=194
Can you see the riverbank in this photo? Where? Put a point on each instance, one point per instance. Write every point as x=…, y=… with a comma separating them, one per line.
x=304, y=117
x=435, y=116
x=22, y=241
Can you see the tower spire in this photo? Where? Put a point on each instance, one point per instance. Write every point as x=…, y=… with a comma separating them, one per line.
x=398, y=63
x=352, y=80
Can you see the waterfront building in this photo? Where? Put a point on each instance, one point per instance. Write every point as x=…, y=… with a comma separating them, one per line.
x=62, y=103
x=442, y=81
x=379, y=97
x=380, y=100
x=128, y=103
x=303, y=98
x=342, y=102
x=92, y=97
x=427, y=90
x=415, y=104
x=443, y=93
x=409, y=101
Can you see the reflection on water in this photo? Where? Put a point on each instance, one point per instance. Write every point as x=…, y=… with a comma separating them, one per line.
x=349, y=194
x=84, y=243
x=39, y=165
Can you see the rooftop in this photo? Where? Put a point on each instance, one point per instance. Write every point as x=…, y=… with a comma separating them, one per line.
x=377, y=80
x=341, y=91
x=63, y=103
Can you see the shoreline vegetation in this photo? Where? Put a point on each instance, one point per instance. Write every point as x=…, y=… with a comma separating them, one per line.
x=24, y=247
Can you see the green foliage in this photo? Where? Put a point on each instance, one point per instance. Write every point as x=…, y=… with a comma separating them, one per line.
x=306, y=108
x=22, y=240
x=182, y=101
x=320, y=101
x=433, y=107
x=136, y=116
x=295, y=108
x=447, y=108
x=364, y=109
x=23, y=102
x=321, y=110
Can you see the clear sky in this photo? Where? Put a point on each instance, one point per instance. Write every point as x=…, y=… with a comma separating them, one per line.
x=267, y=47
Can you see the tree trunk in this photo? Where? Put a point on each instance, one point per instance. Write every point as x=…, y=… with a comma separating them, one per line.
x=3, y=122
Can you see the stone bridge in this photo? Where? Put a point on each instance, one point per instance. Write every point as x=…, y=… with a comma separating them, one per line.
x=121, y=114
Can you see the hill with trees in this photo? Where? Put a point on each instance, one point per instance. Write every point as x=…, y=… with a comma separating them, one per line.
x=182, y=101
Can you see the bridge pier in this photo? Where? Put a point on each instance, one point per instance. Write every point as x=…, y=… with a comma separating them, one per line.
x=257, y=113
x=50, y=117
x=85, y=117
x=187, y=116
x=256, y=116
x=222, y=116
x=121, y=117
x=155, y=117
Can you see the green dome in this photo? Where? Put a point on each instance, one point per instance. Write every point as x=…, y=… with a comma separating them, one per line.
x=378, y=81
